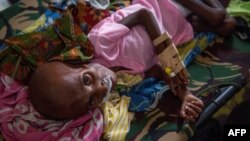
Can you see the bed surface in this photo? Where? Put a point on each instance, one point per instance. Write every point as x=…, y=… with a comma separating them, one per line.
x=220, y=73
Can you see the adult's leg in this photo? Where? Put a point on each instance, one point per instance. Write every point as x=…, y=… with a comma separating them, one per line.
x=214, y=23
x=229, y=22
x=214, y=3
x=214, y=16
x=225, y=29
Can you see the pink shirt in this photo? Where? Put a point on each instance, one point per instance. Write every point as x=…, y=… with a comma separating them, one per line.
x=117, y=45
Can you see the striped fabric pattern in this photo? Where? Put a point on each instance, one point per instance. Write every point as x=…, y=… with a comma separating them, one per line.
x=116, y=118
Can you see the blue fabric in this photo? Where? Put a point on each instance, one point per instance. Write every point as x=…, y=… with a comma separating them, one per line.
x=62, y=4
x=198, y=49
x=146, y=94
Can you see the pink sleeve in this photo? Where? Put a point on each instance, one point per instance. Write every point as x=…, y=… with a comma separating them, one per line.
x=106, y=38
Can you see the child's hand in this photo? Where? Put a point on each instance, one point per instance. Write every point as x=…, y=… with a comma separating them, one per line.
x=191, y=107
x=179, y=81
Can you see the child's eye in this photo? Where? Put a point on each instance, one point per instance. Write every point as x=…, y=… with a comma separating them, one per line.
x=86, y=79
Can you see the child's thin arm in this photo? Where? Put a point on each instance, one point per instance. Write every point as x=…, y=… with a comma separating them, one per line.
x=145, y=18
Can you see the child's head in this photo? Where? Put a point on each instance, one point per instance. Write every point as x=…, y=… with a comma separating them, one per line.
x=60, y=92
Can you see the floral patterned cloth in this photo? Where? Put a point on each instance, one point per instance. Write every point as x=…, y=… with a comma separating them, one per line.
x=20, y=121
x=64, y=40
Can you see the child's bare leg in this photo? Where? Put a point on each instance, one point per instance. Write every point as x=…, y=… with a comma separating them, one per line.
x=214, y=16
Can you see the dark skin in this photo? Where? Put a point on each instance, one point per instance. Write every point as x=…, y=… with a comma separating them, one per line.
x=58, y=91
x=209, y=16
x=191, y=105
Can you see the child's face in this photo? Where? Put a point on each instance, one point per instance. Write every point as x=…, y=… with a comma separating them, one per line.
x=72, y=90
x=89, y=82
x=92, y=83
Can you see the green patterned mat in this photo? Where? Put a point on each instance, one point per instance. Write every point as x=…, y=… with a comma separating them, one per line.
x=19, y=16
x=219, y=64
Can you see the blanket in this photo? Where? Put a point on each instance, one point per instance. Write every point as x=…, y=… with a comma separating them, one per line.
x=152, y=125
x=20, y=121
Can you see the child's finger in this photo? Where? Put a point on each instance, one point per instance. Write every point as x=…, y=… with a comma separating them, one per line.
x=187, y=117
x=195, y=108
x=190, y=118
x=198, y=103
x=183, y=113
x=191, y=112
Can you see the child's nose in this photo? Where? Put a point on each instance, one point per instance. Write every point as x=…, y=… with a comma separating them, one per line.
x=102, y=88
